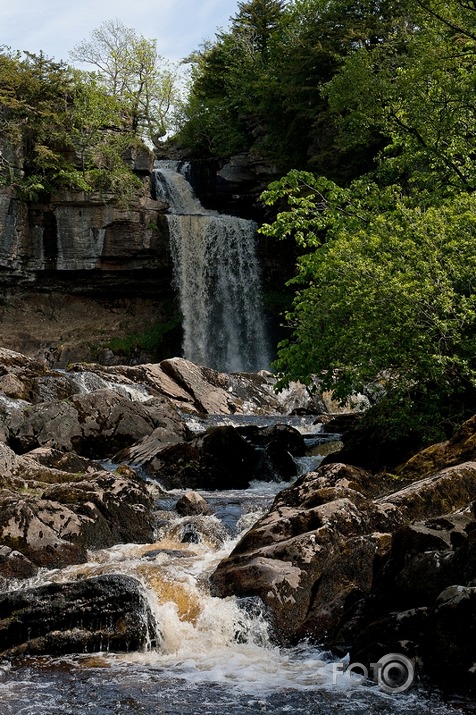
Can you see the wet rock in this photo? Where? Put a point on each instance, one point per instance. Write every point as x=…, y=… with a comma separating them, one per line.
x=192, y=503
x=276, y=445
x=448, y=650
x=218, y=459
x=52, y=517
x=314, y=550
x=422, y=603
x=105, y=613
x=314, y=557
x=13, y=564
x=95, y=425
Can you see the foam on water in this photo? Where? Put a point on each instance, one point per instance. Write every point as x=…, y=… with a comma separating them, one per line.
x=213, y=656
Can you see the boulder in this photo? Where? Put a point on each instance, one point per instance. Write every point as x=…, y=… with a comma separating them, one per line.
x=53, y=517
x=211, y=390
x=64, y=461
x=13, y=564
x=422, y=602
x=192, y=503
x=314, y=556
x=105, y=613
x=276, y=446
x=218, y=459
x=95, y=425
x=460, y=448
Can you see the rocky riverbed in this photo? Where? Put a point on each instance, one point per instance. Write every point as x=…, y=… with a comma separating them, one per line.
x=359, y=563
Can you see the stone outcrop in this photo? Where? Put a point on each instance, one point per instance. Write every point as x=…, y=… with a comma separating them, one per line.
x=221, y=458
x=104, y=613
x=422, y=602
x=96, y=424
x=316, y=553
x=460, y=448
x=90, y=268
x=53, y=517
x=218, y=459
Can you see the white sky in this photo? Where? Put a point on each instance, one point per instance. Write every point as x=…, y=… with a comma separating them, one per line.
x=56, y=26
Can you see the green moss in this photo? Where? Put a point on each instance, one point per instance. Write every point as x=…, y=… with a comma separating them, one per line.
x=149, y=340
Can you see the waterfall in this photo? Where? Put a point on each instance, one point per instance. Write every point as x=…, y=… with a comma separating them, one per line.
x=217, y=277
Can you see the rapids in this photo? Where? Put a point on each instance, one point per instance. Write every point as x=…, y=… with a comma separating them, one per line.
x=214, y=656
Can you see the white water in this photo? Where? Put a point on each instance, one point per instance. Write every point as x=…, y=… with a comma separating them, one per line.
x=217, y=277
x=214, y=656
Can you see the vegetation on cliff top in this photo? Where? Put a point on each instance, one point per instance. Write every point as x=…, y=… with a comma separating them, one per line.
x=377, y=99
x=64, y=127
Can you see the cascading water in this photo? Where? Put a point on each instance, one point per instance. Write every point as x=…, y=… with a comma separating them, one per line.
x=212, y=656
x=217, y=277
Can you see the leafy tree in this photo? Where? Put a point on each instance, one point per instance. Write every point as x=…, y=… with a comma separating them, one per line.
x=260, y=86
x=131, y=69
x=417, y=90
x=65, y=128
x=386, y=299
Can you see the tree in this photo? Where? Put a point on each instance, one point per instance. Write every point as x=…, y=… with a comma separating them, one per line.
x=260, y=86
x=386, y=302
x=131, y=69
x=417, y=90
x=259, y=19
x=63, y=128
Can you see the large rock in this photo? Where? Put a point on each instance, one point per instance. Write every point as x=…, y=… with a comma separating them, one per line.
x=460, y=448
x=314, y=555
x=218, y=459
x=95, y=424
x=276, y=446
x=53, y=517
x=422, y=602
x=105, y=613
x=14, y=565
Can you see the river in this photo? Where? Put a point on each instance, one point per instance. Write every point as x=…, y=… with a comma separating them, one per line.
x=214, y=656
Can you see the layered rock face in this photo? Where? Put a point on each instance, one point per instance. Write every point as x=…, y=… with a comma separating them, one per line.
x=82, y=232
x=82, y=269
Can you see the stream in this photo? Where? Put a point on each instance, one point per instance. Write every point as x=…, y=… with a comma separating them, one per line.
x=214, y=656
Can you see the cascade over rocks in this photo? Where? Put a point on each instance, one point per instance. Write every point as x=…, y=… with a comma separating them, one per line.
x=56, y=501
x=102, y=613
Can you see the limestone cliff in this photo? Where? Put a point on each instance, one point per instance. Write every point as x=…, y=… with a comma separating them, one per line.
x=82, y=269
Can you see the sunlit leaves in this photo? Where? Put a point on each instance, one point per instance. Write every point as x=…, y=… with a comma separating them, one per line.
x=388, y=297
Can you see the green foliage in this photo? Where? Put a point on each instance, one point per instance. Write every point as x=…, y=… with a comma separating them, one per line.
x=388, y=298
x=260, y=86
x=150, y=340
x=416, y=89
x=63, y=129
x=131, y=71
